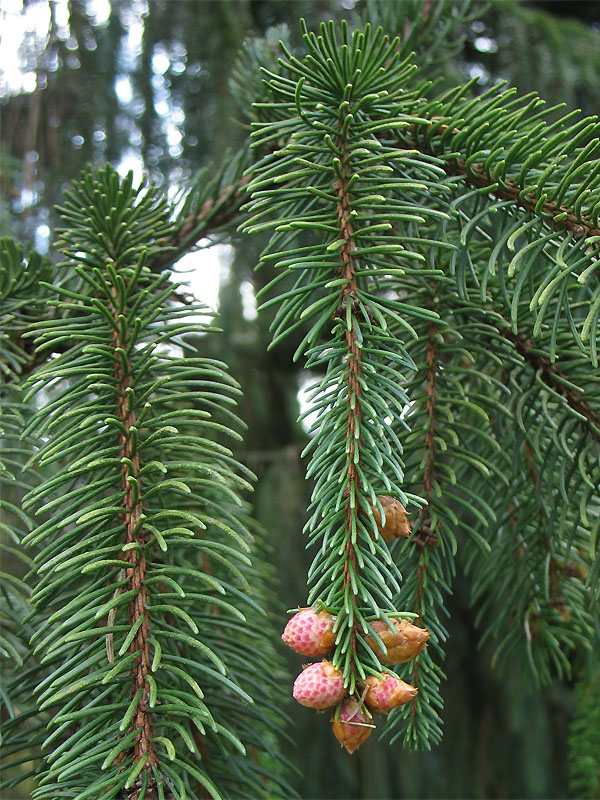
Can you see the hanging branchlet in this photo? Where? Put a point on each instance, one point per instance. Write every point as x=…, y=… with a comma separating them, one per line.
x=336, y=180
x=370, y=168
x=448, y=451
x=425, y=536
x=144, y=491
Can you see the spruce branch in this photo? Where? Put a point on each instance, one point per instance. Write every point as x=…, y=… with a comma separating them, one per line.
x=133, y=631
x=425, y=536
x=211, y=206
x=330, y=136
x=22, y=301
x=560, y=217
x=327, y=177
x=481, y=176
x=519, y=161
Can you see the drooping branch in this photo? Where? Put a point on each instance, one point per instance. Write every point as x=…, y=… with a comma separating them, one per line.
x=424, y=538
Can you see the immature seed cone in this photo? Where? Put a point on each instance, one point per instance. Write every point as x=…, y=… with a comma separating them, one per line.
x=319, y=686
x=388, y=692
x=396, y=525
x=403, y=643
x=310, y=632
x=354, y=725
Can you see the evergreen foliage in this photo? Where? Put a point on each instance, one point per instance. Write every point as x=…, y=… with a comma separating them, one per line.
x=454, y=246
x=584, y=737
x=145, y=598
x=433, y=256
x=22, y=302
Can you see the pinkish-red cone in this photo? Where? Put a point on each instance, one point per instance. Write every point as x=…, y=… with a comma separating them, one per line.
x=319, y=686
x=310, y=632
x=388, y=692
x=354, y=725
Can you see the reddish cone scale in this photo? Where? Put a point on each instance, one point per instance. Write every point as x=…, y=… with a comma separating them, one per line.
x=310, y=632
x=354, y=725
x=319, y=686
x=387, y=693
x=403, y=643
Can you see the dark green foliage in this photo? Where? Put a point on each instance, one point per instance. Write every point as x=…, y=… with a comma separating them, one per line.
x=433, y=262
x=22, y=300
x=584, y=739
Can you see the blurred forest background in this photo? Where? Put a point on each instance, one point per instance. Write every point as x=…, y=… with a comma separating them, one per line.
x=150, y=85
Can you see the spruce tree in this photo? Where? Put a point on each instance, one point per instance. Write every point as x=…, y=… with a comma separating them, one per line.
x=435, y=253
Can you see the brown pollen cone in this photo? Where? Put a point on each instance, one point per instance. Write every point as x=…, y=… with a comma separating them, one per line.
x=354, y=725
x=396, y=525
x=403, y=643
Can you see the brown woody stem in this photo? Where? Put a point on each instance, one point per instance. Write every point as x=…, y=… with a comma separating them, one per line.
x=134, y=535
x=475, y=176
x=424, y=536
x=354, y=368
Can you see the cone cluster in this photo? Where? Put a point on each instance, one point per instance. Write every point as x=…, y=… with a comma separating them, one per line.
x=321, y=685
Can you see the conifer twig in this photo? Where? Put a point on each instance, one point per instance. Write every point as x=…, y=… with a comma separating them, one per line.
x=580, y=227
x=424, y=536
x=215, y=213
x=135, y=554
x=347, y=271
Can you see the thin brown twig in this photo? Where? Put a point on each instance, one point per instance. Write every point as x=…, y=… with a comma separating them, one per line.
x=580, y=227
x=214, y=214
x=134, y=535
x=347, y=270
